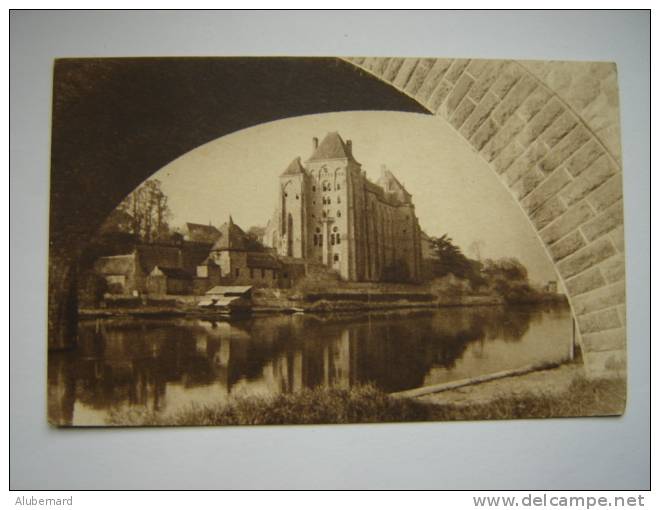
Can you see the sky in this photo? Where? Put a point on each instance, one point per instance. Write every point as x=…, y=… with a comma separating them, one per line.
x=454, y=190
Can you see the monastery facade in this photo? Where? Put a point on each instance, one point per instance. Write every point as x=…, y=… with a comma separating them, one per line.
x=328, y=212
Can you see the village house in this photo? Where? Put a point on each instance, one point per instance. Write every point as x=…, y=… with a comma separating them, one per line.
x=193, y=265
x=240, y=265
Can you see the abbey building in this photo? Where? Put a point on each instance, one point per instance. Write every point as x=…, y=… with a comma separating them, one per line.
x=329, y=213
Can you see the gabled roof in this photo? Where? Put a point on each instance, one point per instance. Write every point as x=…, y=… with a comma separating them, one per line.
x=202, y=233
x=152, y=255
x=391, y=184
x=332, y=147
x=231, y=237
x=294, y=168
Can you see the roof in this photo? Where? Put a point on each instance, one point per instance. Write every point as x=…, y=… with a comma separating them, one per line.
x=294, y=168
x=152, y=255
x=115, y=265
x=202, y=233
x=172, y=272
x=262, y=261
x=391, y=184
x=223, y=290
x=231, y=237
x=332, y=147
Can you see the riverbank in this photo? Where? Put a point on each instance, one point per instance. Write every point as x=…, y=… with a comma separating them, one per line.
x=562, y=392
x=282, y=303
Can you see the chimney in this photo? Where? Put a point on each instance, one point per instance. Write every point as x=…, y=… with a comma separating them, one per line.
x=349, y=147
x=315, y=143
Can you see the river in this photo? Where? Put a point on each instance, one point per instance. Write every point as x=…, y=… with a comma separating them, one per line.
x=168, y=364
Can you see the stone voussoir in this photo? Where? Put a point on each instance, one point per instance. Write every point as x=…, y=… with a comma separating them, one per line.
x=573, y=218
x=584, y=282
x=549, y=188
x=586, y=257
x=601, y=320
x=605, y=222
x=567, y=245
x=600, y=299
x=567, y=146
x=599, y=171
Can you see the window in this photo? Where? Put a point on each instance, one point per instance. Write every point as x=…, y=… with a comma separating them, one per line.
x=338, y=214
x=338, y=199
x=313, y=188
x=320, y=240
x=338, y=239
x=335, y=229
x=332, y=239
x=338, y=187
x=324, y=214
x=297, y=197
x=336, y=257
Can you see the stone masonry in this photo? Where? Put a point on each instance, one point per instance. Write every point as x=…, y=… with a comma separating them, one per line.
x=550, y=131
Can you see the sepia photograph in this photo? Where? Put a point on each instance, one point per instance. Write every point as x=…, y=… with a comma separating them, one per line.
x=239, y=241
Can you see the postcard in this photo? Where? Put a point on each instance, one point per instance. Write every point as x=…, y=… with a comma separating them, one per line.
x=279, y=240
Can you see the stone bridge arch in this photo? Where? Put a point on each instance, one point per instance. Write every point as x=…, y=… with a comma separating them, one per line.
x=552, y=141
x=550, y=131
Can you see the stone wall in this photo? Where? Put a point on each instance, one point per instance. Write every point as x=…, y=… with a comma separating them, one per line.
x=550, y=131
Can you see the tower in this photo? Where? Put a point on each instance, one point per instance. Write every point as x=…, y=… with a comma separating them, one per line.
x=292, y=227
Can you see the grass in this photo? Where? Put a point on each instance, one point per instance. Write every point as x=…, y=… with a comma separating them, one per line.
x=366, y=404
x=584, y=397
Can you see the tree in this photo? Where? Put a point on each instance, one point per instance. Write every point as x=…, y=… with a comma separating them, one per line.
x=450, y=259
x=508, y=277
x=148, y=210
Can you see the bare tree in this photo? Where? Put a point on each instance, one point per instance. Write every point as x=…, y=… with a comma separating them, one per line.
x=149, y=211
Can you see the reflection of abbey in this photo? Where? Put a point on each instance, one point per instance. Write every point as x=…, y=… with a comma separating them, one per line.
x=328, y=212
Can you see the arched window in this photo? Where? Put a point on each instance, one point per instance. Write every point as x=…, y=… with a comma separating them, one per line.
x=338, y=214
x=324, y=214
x=336, y=257
x=338, y=186
x=335, y=229
x=313, y=188
x=329, y=200
x=318, y=230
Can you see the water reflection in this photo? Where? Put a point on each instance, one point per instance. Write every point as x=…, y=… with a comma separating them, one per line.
x=166, y=364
